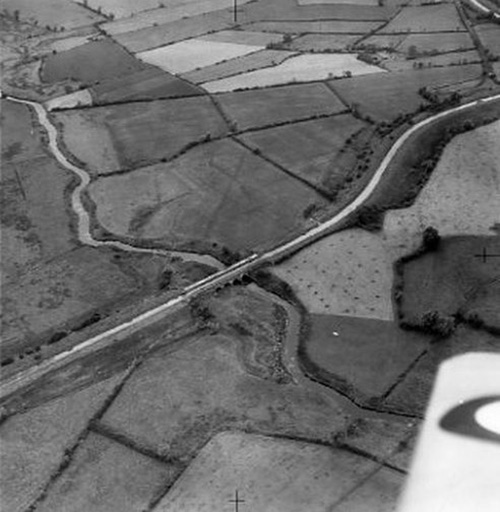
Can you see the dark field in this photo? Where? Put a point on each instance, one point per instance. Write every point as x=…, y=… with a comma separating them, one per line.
x=257, y=108
x=364, y=360
x=90, y=63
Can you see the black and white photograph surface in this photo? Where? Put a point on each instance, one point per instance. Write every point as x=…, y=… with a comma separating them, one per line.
x=250, y=255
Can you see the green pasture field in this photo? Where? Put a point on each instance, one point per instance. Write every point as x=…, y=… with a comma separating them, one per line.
x=323, y=42
x=384, y=96
x=440, y=43
x=308, y=149
x=90, y=63
x=218, y=193
x=316, y=27
x=265, y=107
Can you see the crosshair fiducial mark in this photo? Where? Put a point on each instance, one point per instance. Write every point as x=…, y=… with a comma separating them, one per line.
x=485, y=255
x=236, y=500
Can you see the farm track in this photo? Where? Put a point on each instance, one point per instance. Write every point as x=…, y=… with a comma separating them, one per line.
x=212, y=282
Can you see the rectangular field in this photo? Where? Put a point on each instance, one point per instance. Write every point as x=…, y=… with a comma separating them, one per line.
x=251, y=109
x=383, y=96
x=243, y=37
x=193, y=54
x=426, y=18
x=244, y=64
x=323, y=42
x=149, y=84
x=216, y=193
x=443, y=60
x=308, y=149
x=489, y=34
x=91, y=62
x=437, y=43
x=317, y=27
x=302, y=68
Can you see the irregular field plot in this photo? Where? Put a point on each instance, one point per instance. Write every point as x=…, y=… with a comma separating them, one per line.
x=437, y=42
x=168, y=33
x=461, y=196
x=33, y=443
x=250, y=109
x=426, y=18
x=142, y=132
x=446, y=59
x=208, y=391
x=383, y=41
x=489, y=34
x=194, y=53
x=308, y=149
x=243, y=37
x=91, y=62
x=338, y=2
x=303, y=68
x=319, y=27
x=178, y=11
x=454, y=279
x=64, y=290
x=75, y=99
x=384, y=96
x=347, y=273
x=149, y=84
x=219, y=192
x=277, y=474
x=55, y=13
x=110, y=476
x=364, y=358
x=323, y=42
x=250, y=62
x=122, y=8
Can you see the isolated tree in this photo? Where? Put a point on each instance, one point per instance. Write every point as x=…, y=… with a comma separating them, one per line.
x=431, y=238
x=412, y=52
x=433, y=322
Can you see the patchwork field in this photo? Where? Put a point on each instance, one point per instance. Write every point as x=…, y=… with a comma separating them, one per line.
x=461, y=195
x=120, y=8
x=426, y=18
x=208, y=392
x=54, y=13
x=347, y=273
x=454, y=279
x=89, y=63
x=193, y=54
x=139, y=133
x=361, y=357
x=318, y=27
x=278, y=474
x=443, y=60
x=308, y=149
x=336, y=2
x=109, y=476
x=149, y=84
x=489, y=34
x=440, y=43
x=33, y=444
x=244, y=64
x=167, y=33
x=323, y=42
x=217, y=193
x=252, y=109
x=303, y=68
x=243, y=37
x=384, y=96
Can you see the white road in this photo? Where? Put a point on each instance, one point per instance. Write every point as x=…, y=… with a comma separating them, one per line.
x=215, y=280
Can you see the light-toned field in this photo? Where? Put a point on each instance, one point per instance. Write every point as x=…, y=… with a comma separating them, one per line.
x=108, y=477
x=243, y=37
x=54, y=13
x=347, y=273
x=244, y=64
x=385, y=95
x=122, y=8
x=426, y=18
x=88, y=141
x=139, y=133
x=308, y=149
x=177, y=10
x=323, y=42
x=443, y=60
x=194, y=53
x=251, y=109
x=461, y=197
x=208, y=390
x=60, y=292
x=219, y=192
x=437, y=42
x=277, y=474
x=33, y=443
x=68, y=43
x=489, y=34
x=319, y=27
x=75, y=99
x=303, y=68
